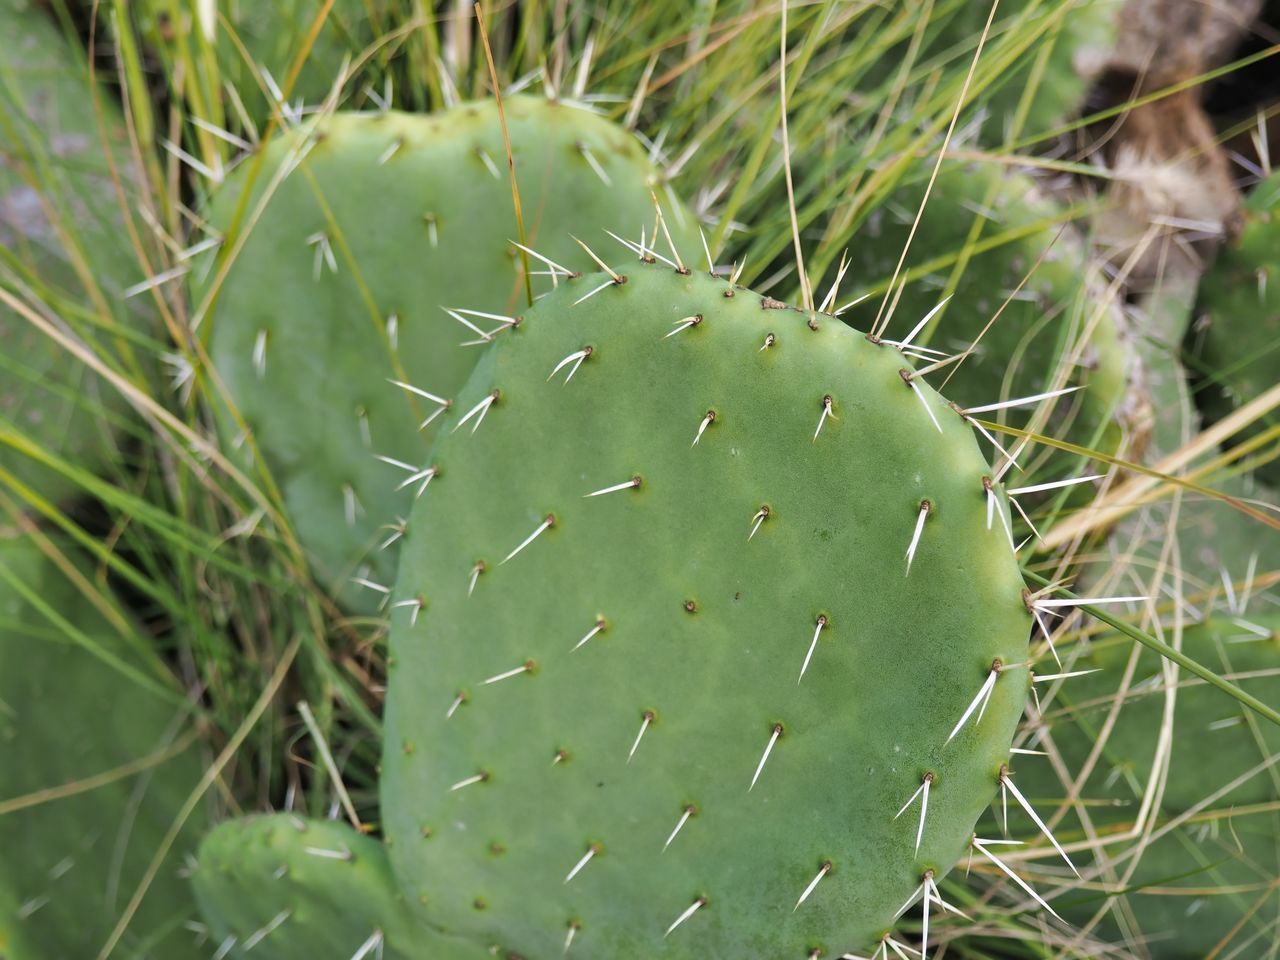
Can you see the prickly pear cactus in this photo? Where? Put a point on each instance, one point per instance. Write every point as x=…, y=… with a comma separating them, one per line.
x=1203, y=861
x=284, y=887
x=691, y=621
x=341, y=287
x=1237, y=352
x=60, y=229
x=984, y=232
x=77, y=703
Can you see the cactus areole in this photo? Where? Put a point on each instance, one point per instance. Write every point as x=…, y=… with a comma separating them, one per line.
x=704, y=588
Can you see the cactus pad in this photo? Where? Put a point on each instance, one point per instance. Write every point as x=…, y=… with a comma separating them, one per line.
x=1207, y=869
x=685, y=632
x=283, y=888
x=73, y=860
x=341, y=283
x=1239, y=349
x=987, y=235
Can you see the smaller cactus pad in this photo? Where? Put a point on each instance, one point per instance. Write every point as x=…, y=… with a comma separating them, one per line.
x=995, y=244
x=1237, y=353
x=703, y=587
x=284, y=888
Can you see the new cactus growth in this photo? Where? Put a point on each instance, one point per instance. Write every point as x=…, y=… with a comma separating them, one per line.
x=708, y=642
x=59, y=229
x=91, y=784
x=1180, y=801
x=295, y=889
x=385, y=249
x=1020, y=294
x=1237, y=353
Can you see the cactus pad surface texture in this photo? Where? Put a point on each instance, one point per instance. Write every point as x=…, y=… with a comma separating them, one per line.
x=690, y=629
x=72, y=858
x=1239, y=348
x=341, y=282
x=288, y=888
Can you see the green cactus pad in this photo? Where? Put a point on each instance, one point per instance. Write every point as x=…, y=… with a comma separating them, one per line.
x=985, y=230
x=60, y=232
x=281, y=887
x=585, y=670
x=1205, y=877
x=1237, y=354
x=1159, y=322
x=77, y=702
x=341, y=284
